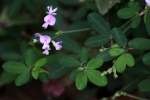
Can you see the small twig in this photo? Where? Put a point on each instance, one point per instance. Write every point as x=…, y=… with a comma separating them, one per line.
x=126, y=24
x=135, y=97
x=76, y=30
x=60, y=33
x=122, y=93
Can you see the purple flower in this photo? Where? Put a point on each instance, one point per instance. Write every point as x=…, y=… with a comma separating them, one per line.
x=147, y=2
x=51, y=11
x=50, y=19
x=45, y=40
x=46, y=52
x=46, y=46
x=57, y=45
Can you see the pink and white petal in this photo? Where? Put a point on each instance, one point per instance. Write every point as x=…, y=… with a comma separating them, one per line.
x=45, y=39
x=53, y=21
x=46, y=52
x=46, y=46
x=54, y=10
x=147, y=2
x=57, y=45
x=50, y=20
x=45, y=25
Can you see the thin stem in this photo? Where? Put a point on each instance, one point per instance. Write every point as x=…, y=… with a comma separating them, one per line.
x=76, y=30
x=60, y=33
x=122, y=93
x=126, y=24
x=135, y=97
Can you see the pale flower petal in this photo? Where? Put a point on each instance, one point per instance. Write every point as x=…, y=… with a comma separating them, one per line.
x=147, y=2
x=57, y=45
x=46, y=46
x=45, y=25
x=46, y=52
x=45, y=39
x=49, y=20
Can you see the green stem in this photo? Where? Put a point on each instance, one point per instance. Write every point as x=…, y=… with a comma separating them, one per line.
x=122, y=93
x=60, y=33
x=135, y=97
x=76, y=30
x=125, y=27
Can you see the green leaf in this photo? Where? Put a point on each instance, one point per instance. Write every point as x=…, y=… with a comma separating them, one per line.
x=116, y=51
x=131, y=10
x=140, y=44
x=69, y=61
x=135, y=22
x=38, y=67
x=30, y=57
x=6, y=78
x=23, y=78
x=84, y=55
x=147, y=20
x=146, y=59
x=83, y=26
x=105, y=56
x=144, y=85
x=120, y=64
x=126, y=13
x=105, y=5
x=97, y=41
x=79, y=14
x=124, y=60
x=81, y=80
x=96, y=78
x=130, y=61
x=119, y=37
x=53, y=59
x=98, y=23
x=134, y=5
x=94, y=63
x=40, y=63
x=70, y=45
x=14, y=67
x=35, y=74
x=43, y=77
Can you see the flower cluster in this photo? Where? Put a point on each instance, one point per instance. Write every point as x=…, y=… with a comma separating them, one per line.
x=49, y=19
x=45, y=40
x=147, y=2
